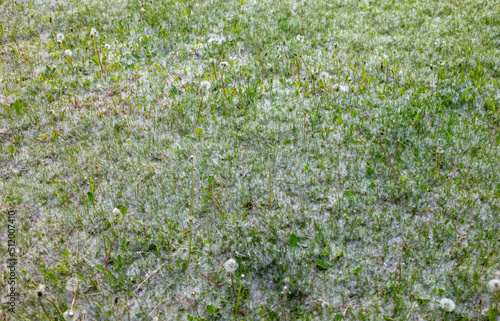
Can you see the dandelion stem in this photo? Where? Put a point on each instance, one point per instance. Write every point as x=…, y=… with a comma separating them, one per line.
x=496, y=306
x=456, y=230
x=232, y=285
x=218, y=205
x=119, y=314
x=190, y=238
x=238, y=302
x=192, y=186
x=314, y=88
x=209, y=279
x=439, y=168
x=199, y=109
x=196, y=308
x=191, y=211
x=55, y=306
x=223, y=87
x=76, y=295
x=284, y=306
x=43, y=308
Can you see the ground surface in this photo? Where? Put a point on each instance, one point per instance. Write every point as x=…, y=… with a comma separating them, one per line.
x=345, y=150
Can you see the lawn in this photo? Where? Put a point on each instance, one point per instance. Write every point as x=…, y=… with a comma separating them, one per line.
x=249, y=160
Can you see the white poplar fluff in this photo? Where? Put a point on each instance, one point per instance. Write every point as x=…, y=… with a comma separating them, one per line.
x=447, y=305
x=231, y=265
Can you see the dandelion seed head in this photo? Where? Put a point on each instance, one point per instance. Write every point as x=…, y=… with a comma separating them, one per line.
x=72, y=285
x=231, y=265
x=41, y=288
x=447, y=305
x=324, y=75
x=494, y=285
x=205, y=85
x=60, y=37
x=116, y=211
x=224, y=64
x=93, y=32
x=68, y=53
x=71, y=315
x=300, y=38
x=107, y=46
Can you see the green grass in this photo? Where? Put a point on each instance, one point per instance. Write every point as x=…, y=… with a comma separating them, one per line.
x=357, y=167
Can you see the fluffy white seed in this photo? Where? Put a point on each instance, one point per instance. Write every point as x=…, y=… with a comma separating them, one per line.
x=447, y=305
x=205, y=85
x=71, y=315
x=494, y=285
x=72, y=285
x=231, y=265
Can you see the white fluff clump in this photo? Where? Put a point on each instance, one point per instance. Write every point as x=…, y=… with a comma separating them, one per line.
x=300, y=38
x=231, y=265
x=447, y=305
x=60, y=37
x=205, y=85
x=494, y=285
x=116, y=211
x=107, y=46
x=68, y=53
x=93, y=32
x=224, y=64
